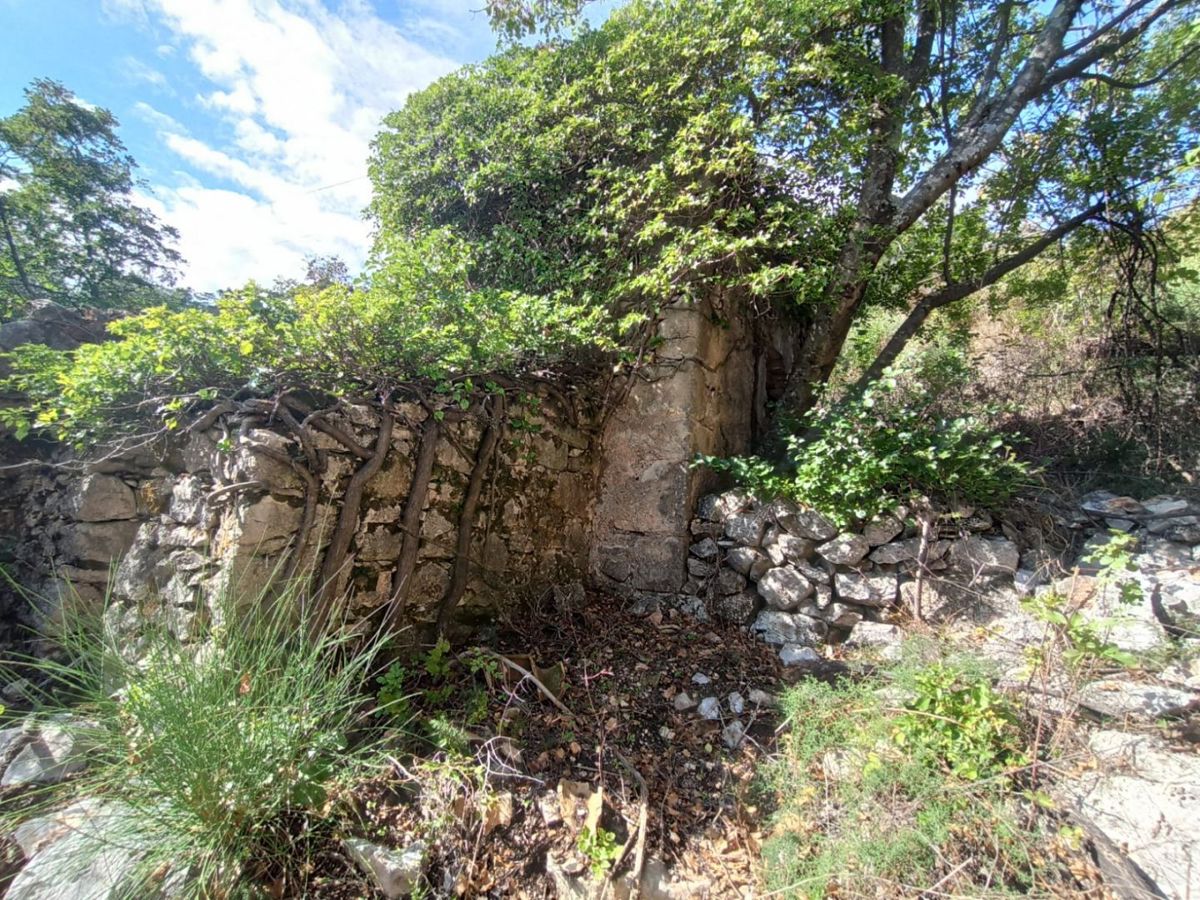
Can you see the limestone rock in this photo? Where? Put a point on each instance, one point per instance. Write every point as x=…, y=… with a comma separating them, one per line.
x=98, y=543
x=683, y=702
x=784, y=588
x=396, y=872
x=840, y=615
x=1122, y=698
x=1144, y=798
x=814, y=572
x=248, y=465
x=877, y=589
x=1166, y=506
x=762, y=698
x=737, y=609
x=882, y=529
x=785, y=548
x=898, y=552
x=805, y=523
x=883, y=639
x=776, y=627
x=60, y=749
x=719, y=507
x=706, y=549
x=84, y=862
x=1106, y=503
x=747, y=529
x=732, y=734
x=748, y=561
x=737, y=703
x=796, y=655
x=979, y=556
x=264, y=525
x=102, y=498
x=709, y=708
x=845, y=550
x=729, y=582
x=1184, y=529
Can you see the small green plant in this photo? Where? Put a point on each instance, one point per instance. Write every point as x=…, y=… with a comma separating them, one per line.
x=437, y=660
x=600, y=847
x=480, y=662
x=962, y=721
x=873, y=452
x=1115, y=557
x=1080, y=636
x=393, y=693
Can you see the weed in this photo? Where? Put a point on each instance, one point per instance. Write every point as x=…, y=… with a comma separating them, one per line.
x=393, y=693
x=962, y=721
x=881, y=800
x=600, y=847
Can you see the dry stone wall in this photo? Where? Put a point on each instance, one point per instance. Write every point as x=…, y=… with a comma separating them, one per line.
x=600, y=492
x=798, y=581
x=214, y=520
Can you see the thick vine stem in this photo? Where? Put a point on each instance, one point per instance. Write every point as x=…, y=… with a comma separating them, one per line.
x=410, y=522
x=466, y=522
x=337, y=554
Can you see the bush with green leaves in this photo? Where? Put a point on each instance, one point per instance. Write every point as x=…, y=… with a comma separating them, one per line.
x=870, y=453
x=215, y=749
x=961, y=720
x=876, y=796
x=419, y=320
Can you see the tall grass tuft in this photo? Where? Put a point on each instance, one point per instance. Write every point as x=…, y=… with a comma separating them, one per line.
x=214, y=751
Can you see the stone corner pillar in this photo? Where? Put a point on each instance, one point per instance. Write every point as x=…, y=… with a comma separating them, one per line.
x=705, y=392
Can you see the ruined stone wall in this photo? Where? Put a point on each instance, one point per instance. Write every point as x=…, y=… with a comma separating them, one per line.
x=706, y=392
x=602, y=493
x=212, y=520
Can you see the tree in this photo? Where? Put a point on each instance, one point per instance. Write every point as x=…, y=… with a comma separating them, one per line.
x=71, y=228
x=837, y=154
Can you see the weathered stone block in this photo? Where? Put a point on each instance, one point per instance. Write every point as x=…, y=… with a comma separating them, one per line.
x=805, y=523
x=784, y=588
x=845, y=550
x=882, y=529
x=877, y=589
x=786, y=548
x=102, y=498
x=777, y=627
x=980, y=556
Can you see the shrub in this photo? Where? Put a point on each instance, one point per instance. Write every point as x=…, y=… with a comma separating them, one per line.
x=881, y=800
x=962, y=721
x=419, y=319
x=870, y=453
x=215, y=749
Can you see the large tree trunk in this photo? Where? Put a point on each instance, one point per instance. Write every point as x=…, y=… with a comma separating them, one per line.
x=879, y=220
x=868, y=239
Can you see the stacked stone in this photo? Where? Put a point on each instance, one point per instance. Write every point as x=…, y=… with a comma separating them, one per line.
x=797, y=580
x=1170, y=518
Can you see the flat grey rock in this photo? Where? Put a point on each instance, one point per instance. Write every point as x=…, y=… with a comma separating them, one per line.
x=396, y=872
x=1144, y=797
x=1121, y=698
x=845, y=549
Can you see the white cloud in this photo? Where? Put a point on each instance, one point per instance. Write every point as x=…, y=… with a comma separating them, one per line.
x=136, y=70
x=301, y=88
x=157, y=118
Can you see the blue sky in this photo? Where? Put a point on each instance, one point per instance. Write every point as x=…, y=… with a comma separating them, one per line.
x=250, y=118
